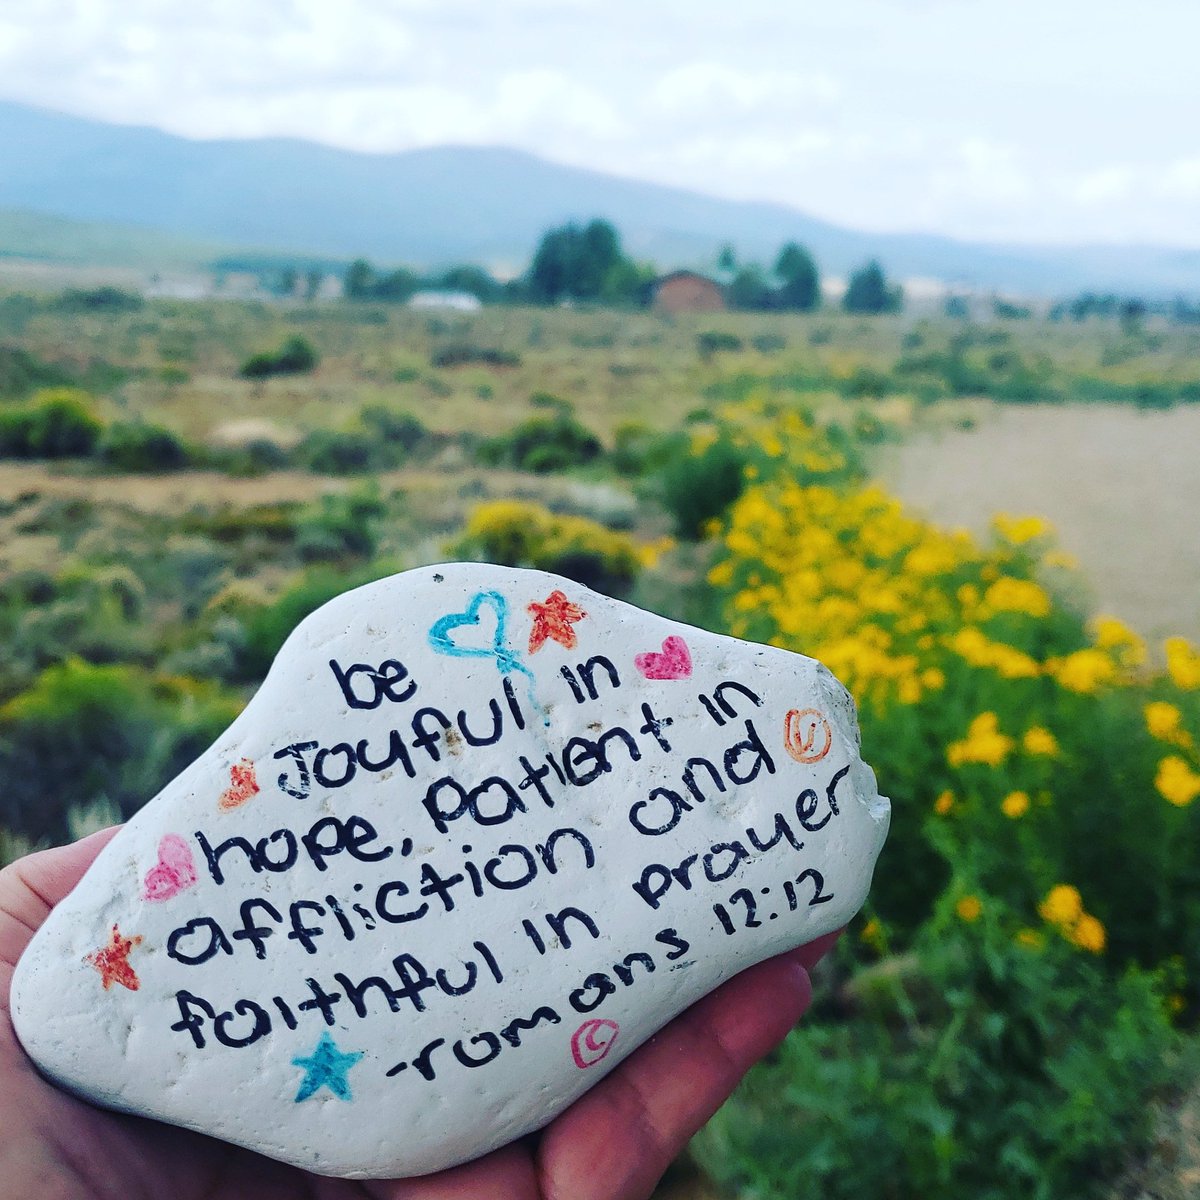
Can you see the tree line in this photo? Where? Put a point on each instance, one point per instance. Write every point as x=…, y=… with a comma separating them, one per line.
x=577, y=263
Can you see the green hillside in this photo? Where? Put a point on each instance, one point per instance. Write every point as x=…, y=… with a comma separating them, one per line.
x=30, y=235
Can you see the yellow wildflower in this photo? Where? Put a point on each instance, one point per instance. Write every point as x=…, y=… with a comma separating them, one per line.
x=968, y=595
x=1018, y=595
x=722, y=574
x=1040, y=741
x=1062, y=560
x=1015, y=804
x=872, y=934
x=650, y=553
x=984, y=743
x=931, y=558
x=1163, y=720
x=1063, y=905
x=1112, y=634
x=1176, y=781
x=969, y=908
x=1019, y=530
x=974, y=646
x=1176, y=1004
x=771, y=444
x=1183, y=663
x=944, y=803
x=1031, y=938
x=1085, y=671
x=1088, y=934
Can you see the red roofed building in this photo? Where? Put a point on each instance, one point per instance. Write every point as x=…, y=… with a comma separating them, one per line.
x=686, y=291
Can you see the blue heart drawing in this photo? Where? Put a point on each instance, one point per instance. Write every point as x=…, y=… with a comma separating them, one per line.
x=440, y=634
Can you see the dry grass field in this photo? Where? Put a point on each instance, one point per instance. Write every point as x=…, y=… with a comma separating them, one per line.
x=1121, y=486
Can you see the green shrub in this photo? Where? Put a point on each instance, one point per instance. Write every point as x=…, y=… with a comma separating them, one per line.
x=554, y=403
x=337, y=452
x=394, y=427
x=982, y=1067
x=22, y=372
x=54, y=424
x=266, y=626
x=105, y=298
x=85, y=733
x=635, y=447
x=462, y=354
x=340, y=526
x=143, y=447
x=696, y=487
x=543, y=445
x=255, y=457
x=769, y=343
x=232, y=526
x=712, y=341
x=296, y=356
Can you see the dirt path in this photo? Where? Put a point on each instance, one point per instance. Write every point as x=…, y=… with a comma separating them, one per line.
x=1122, y=488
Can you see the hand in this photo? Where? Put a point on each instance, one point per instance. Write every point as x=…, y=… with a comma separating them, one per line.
x=612, y=1144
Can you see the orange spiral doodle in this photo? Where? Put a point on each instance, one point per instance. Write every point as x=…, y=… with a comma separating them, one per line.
x=807, y=735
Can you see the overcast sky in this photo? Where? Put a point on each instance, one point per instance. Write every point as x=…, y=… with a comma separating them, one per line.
x=1031, y=120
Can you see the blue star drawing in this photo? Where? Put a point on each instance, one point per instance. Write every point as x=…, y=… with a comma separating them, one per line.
x=326, y=1067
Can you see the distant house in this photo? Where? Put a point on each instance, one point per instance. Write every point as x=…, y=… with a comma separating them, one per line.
x=686, y=291
x=459, y=301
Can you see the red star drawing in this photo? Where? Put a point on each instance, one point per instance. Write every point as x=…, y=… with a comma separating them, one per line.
x=553, y=618
x=112, y=961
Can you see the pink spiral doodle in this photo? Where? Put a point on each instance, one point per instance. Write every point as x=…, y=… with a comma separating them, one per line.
x=592, y=1041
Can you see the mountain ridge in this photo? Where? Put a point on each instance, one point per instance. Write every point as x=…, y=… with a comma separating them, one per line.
x=436, y=205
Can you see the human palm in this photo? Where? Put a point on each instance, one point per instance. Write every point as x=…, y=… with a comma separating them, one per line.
x=612, y=1144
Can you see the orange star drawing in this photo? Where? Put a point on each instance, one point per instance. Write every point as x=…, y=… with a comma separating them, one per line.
x=553, y=618
x=112, y=961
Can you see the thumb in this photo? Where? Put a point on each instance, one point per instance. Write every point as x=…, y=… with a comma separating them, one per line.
x=33, y=885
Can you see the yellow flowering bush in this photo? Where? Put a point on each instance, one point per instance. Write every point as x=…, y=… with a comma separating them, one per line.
x=1183, y=663
x=1040, y=741
x=1015, y=805
x=522, y=534
x=1022, y=745
x=1176, y=781
x=984, y=743
x=1063, y=908
x=1165, y=722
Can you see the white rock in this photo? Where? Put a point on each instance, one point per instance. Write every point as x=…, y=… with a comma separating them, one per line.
x=357, y=937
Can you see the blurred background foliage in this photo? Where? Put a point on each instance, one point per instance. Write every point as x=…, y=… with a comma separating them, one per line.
x=1014, y=1014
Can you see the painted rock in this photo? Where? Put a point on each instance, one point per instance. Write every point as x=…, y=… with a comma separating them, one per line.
x=480, y=834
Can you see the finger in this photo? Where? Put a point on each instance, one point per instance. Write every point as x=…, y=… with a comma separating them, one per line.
x=808, y=956
x=506, y=1174
x=32, y=886
x=618, y=1139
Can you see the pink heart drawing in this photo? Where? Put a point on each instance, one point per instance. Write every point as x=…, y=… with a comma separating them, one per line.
x=174, y=872
x=675, y=661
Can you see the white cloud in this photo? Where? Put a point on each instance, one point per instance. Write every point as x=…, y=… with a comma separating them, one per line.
x=981, y=170
x=1103, y=185
x=1018, y=120
x=526, y=99
x=700, y=87
x=1181, y=180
